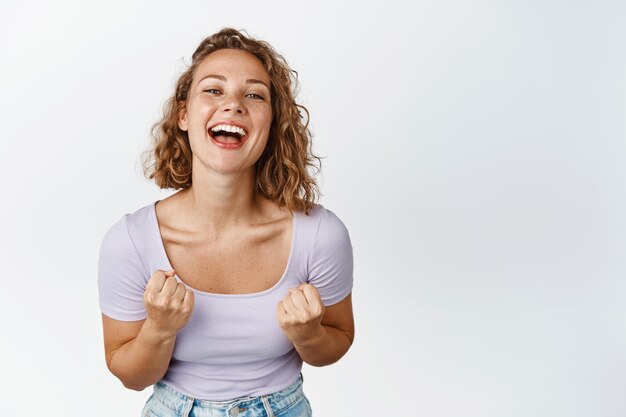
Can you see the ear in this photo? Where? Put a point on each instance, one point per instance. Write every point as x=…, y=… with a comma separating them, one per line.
x=182, y=118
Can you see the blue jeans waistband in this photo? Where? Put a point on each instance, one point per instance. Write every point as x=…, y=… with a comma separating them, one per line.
x=182, y=404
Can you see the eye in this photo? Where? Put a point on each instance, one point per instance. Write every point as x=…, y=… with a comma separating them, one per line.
x=255, y=96
x=212, y=91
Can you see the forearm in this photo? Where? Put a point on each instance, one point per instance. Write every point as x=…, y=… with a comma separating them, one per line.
x=145, y=359
x=325, y=347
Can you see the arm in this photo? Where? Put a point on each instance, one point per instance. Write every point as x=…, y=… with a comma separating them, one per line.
x=319, y=343
x=137, y=353
x=140, y=319
x=333, y=337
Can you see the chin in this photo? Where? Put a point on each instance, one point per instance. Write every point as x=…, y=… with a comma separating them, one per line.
x=226, y=168
x=224, y=164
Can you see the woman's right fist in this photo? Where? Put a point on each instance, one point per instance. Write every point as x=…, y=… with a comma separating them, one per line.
x=169, y=303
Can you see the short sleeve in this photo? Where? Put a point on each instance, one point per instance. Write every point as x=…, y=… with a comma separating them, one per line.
x=331, y=264
x=121, y=275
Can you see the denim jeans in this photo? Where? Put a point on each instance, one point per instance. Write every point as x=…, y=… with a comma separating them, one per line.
x=288, y=402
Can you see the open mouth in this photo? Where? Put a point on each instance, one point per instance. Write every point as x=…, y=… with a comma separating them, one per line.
x=228, y=134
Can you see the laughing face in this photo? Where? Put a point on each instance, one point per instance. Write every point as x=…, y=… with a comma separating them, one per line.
x=228, y=112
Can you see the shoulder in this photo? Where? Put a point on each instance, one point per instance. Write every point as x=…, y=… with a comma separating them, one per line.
x=326, y=224
x=128, y=220
x=120, y=237
x=326, y=232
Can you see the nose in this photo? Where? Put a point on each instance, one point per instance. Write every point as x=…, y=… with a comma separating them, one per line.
x=233, y=104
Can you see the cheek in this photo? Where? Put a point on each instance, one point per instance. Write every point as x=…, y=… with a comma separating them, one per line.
x=260, y=109
x=201, y=110
x=198, y=122
x=265, y=118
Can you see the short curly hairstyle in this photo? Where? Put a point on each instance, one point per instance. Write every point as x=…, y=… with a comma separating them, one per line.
x=282, y=171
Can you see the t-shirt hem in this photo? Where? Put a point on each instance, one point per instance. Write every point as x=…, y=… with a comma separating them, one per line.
x=124, y=317
x=337, y=299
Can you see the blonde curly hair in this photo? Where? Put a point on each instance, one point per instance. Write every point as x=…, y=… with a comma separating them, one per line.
x=282, y=171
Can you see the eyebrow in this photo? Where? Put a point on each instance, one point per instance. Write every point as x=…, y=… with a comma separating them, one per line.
x=248, y=81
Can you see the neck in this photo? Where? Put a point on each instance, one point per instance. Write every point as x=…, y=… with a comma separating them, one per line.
x=218, y=201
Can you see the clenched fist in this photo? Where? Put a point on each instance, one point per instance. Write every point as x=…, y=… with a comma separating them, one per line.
x=169, y=303
x=300, y=313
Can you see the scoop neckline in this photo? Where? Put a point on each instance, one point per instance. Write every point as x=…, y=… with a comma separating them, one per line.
x=159, y=238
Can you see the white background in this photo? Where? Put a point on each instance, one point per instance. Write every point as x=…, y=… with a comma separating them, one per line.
x=476, y=151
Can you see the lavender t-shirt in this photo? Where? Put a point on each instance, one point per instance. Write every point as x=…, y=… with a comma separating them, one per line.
x=232, y=345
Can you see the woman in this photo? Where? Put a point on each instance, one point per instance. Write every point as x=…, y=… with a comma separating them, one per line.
x=218, y=293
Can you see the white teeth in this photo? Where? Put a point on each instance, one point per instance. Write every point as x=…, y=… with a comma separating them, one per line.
x=229, y=128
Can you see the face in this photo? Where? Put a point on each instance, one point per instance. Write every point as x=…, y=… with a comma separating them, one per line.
x=228, y=111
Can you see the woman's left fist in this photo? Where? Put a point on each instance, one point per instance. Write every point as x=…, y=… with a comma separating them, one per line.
x=300, y=314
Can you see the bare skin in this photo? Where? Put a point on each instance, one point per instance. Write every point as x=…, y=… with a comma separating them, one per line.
x=219, y=228
x=245, y=258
